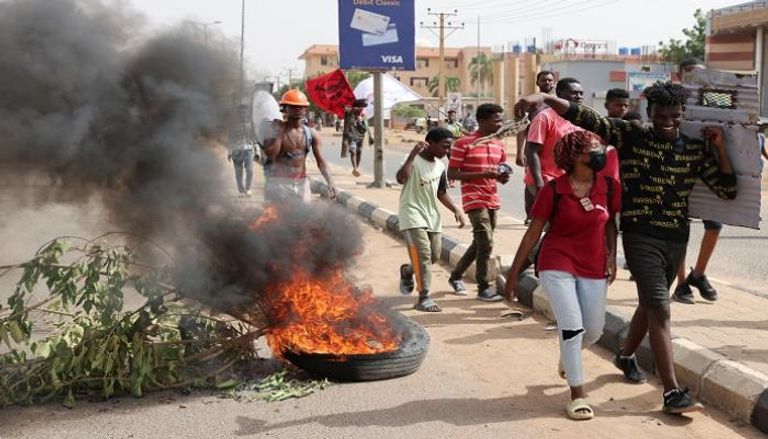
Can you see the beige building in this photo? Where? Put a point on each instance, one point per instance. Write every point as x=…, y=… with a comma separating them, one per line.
x=323, y=58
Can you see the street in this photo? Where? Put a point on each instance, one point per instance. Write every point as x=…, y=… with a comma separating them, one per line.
x=739, y=259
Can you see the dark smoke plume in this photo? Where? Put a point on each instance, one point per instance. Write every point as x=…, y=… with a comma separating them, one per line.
x=99, y=110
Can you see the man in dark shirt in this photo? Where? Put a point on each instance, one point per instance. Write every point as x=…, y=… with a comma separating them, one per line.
x=659, y=167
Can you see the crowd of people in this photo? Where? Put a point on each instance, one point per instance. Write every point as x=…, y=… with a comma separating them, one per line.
x=586, y=176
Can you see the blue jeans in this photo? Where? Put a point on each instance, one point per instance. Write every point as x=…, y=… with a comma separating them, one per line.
x=579, y=307
x=243, y=161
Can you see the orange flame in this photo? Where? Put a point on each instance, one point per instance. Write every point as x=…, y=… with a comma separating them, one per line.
x=268, y=216
x=327, y=315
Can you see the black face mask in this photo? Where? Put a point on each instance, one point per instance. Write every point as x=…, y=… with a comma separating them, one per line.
x=597, y=160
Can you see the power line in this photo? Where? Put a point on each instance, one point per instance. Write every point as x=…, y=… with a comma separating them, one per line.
x=543, y=10
x=522, y=9
x=442, y=26
x=550, y=15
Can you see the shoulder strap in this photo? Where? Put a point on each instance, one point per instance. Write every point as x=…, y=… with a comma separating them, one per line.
x=555, y=201
x=308, y=137
x=609, y=183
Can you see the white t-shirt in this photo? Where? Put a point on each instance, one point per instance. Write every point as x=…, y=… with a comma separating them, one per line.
x=418, y=199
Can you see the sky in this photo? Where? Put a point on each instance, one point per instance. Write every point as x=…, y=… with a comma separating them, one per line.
x=277, y=32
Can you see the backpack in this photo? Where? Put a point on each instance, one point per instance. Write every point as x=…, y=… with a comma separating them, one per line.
x=555, y=201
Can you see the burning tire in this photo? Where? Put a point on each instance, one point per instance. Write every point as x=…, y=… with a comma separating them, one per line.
x=370, y=367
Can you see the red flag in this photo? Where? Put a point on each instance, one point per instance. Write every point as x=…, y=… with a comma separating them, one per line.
x=331, y=92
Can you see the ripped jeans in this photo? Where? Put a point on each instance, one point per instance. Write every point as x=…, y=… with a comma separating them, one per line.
x=579, y=307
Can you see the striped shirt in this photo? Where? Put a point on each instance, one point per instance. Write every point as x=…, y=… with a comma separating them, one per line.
x=479, y=193
x=657, y=175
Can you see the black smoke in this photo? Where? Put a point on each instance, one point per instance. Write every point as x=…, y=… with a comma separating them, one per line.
x=96, y=108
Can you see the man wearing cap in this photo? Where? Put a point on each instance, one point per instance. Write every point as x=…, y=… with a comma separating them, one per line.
x=355, y=131
x=287, y=148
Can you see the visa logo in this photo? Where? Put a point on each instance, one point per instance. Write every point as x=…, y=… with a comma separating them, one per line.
x=392, y=59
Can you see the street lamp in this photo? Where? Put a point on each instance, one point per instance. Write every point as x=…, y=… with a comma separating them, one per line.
x=205, y=29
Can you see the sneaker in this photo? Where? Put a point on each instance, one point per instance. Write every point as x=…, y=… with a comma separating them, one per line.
x=248, y=193
x=489, y=295
x=702, y=284
x=683, y=294
x=631, y=370
x=677, y=401
x=406, y=279
x=458, y=287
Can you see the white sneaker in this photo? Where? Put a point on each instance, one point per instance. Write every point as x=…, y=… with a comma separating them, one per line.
x=248, y=193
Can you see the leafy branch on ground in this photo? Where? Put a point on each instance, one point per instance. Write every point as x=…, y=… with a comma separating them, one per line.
x=278, y=386
x=79, y=341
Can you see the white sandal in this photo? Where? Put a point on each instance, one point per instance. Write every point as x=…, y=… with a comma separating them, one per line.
x=579, y=410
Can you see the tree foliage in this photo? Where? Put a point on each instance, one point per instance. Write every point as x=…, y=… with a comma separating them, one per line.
x=406, y=110
x=676, y=50
x=481, y=71
x=452, y=83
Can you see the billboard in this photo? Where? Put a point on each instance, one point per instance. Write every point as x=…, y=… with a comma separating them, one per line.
x=639, y=81
x=377, y=34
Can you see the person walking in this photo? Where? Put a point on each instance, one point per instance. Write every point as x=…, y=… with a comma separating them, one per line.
x=355, y=131
x=241, y=152
x=478, y=160
x=424, y=184
x=287, y=148
x=577, y=257
x=659, y=166
x=546, y=128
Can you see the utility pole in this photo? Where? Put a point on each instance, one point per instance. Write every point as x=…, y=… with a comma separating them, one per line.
x=477, y=82
x=441, y=26
x=290, y=77
x=242, y=49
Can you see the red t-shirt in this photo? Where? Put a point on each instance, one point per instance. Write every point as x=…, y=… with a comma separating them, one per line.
x=546, y=129
x=575, y=242
x=611, y=164
x=481, y=192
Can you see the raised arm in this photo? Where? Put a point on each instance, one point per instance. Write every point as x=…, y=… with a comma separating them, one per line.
x=404, y=173
x=613, y=131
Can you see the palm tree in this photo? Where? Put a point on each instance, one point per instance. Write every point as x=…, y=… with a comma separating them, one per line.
x=452, y=83
x=481, y=70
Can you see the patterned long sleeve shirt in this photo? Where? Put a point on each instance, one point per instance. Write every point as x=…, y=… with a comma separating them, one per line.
x=657, y=175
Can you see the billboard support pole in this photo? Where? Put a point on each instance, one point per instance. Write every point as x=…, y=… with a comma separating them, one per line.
x=378, y=126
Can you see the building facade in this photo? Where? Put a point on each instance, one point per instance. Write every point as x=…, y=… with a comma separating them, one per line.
x=323, y=58
x=737, y=41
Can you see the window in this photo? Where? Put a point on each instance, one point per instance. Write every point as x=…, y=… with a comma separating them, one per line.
x=419, y=82
x=422, y=63
x=323, y=60
x=451, y=63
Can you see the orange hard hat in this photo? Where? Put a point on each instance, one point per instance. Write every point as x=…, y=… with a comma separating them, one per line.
x=294, y=97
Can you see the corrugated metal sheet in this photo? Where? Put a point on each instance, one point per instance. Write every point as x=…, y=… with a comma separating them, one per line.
x=740, y=129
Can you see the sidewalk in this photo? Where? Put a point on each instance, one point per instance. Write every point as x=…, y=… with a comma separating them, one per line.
x=484, y=377
x=721, y=348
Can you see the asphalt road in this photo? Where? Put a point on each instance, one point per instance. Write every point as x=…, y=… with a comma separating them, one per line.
x=740, y=260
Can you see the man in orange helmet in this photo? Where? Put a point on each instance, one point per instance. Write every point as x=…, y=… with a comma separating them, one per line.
x=287, y=148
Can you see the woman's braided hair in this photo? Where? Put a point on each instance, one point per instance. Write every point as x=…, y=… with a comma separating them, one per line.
x=571, y=145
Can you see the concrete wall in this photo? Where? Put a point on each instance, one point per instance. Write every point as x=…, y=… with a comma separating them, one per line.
x=596, y=78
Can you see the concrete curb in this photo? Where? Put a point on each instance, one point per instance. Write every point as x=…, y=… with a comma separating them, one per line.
x=730, y=386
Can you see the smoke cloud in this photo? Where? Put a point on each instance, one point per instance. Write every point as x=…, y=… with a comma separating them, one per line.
x=97, y=109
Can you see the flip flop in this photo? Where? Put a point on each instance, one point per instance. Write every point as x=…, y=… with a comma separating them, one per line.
x=427, y=305
x=579, y=404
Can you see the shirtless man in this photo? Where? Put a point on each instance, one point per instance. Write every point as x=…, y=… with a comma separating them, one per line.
x=287, y=150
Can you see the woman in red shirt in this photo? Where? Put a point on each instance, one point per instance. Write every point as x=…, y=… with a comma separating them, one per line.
x=577, y=257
